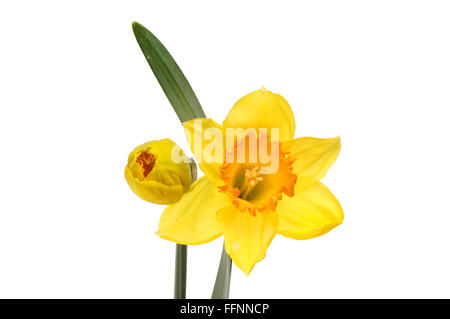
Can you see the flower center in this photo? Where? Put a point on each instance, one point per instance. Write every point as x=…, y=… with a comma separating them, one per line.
x=146, y=161
x=253, y=188
x=252, y=177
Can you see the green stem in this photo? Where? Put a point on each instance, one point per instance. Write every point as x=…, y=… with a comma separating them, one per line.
x=180, y=272
x=181, y=253
x=222, y=285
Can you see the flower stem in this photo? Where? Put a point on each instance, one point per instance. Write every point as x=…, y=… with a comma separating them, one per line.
x=180, y=272
x=181, y=253
x=222, y=285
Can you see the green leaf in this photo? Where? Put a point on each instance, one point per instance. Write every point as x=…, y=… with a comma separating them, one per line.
x=172, y=80
x=186, y=105
x=222, y=285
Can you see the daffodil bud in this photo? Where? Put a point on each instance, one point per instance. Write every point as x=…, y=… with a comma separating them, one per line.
x=158, y=172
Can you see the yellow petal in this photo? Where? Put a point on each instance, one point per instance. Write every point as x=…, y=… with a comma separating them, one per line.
x=313, y=157
x=312, y=212
x=247, y=237
x=207, y=141
x=263, y=109
x=192, y=220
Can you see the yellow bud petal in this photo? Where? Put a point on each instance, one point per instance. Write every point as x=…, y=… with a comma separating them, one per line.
x=158, y=172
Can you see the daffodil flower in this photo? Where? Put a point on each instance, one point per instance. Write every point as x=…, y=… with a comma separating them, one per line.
x=158, y=172
x=244, y=203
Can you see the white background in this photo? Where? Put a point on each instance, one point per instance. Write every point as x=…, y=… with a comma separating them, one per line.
x=76, y=96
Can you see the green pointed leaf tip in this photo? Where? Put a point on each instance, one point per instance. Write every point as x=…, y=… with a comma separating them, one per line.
x=170, y=77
